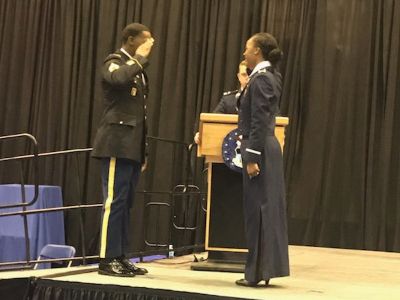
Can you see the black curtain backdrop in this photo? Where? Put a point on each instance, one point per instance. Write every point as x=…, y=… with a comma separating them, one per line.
x=341, y=93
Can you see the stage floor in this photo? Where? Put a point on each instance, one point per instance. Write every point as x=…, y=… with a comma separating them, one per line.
x=316, y=273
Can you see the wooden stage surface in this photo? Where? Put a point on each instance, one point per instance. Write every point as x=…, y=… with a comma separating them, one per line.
x=316, y=273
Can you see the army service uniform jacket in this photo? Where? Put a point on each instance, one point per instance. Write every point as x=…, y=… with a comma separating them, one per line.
x=228, y=103
x=122, y=131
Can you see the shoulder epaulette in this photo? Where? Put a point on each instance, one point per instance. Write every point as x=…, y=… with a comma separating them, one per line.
x=230, y=93
x=113, y=56
x=263, y=70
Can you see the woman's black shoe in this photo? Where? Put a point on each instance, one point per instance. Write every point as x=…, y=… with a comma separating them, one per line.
x=114, y=267
x=131, y=266
x=244, y=282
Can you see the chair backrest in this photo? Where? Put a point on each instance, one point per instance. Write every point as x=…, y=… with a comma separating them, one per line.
x=55, y=251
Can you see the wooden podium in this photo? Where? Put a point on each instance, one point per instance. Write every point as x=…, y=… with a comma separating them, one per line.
x=224, y=237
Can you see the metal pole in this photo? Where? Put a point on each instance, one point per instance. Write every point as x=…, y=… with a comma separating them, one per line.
x=82, y=231
x=25, y=218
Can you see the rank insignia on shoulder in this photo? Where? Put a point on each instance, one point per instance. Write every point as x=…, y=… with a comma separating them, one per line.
x=130, y=62
x=113, y=67
x=230, y=92
x=133, y=91
x=113, y=56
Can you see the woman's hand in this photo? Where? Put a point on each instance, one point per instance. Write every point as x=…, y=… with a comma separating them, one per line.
x=252, y=169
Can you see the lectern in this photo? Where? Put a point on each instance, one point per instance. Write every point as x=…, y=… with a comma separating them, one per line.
x=224, y=240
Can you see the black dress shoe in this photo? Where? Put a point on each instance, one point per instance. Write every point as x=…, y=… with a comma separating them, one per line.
x=114, y=267
x=244, y=282
x=131, y=266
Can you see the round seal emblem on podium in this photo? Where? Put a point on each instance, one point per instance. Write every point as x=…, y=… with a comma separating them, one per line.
x=231, y=151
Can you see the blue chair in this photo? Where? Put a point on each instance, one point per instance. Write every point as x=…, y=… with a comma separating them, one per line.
x=51, y=251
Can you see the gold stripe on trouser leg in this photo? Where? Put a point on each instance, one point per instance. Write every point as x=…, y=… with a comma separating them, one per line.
x=107, y=207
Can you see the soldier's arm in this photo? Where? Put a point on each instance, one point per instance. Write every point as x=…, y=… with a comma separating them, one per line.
x=220, y=109
x=118, y=73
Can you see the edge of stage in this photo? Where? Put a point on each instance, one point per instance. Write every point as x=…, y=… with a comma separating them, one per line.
x=316, y=273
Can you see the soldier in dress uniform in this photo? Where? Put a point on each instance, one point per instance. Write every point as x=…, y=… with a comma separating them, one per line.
x=228, y=102
x=263, y=182
x=120, y=143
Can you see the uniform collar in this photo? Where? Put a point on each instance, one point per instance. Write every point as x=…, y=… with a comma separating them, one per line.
x=126, y=53
x=261, y=65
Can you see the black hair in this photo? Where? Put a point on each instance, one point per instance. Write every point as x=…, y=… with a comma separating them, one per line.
x=133, y=30
x=269, y=47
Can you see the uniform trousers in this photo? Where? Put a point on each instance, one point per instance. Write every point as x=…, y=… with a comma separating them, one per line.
x=119, y=180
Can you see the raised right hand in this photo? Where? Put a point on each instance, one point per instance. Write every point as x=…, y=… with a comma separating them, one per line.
x=145, y=48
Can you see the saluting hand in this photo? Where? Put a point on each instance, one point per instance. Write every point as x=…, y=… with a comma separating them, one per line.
x=145, y=48
x=252, y=169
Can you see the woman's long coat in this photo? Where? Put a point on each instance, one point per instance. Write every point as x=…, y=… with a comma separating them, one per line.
x=263, y=195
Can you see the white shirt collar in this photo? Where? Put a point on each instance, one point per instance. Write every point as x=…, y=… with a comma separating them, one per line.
x=126, y=53
x=260, y=65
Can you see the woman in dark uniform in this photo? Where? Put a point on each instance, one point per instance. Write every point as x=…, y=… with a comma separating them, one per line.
x=263, y=181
